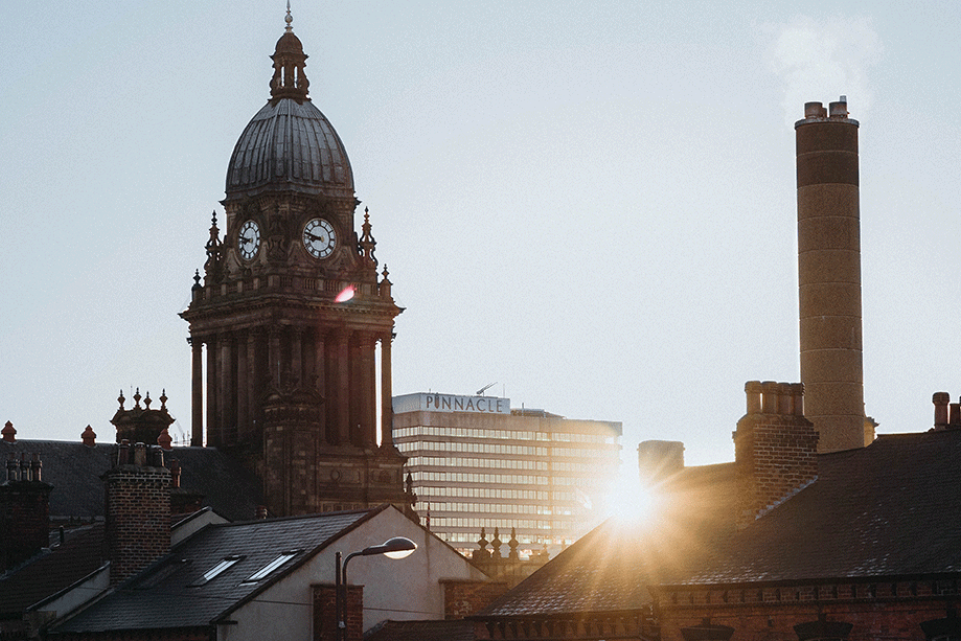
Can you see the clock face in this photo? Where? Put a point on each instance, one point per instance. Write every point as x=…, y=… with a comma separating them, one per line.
x=319, y=238
x=248, y=241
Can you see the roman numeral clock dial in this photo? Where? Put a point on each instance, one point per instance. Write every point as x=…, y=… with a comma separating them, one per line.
x=248, y=241
x=319, y=238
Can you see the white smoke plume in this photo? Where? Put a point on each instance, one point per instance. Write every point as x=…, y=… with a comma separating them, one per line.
x=822, y=60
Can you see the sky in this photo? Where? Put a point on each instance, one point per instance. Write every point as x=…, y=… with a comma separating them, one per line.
x=591, y=205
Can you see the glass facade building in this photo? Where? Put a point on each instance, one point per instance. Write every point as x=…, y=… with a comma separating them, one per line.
x=475, y=462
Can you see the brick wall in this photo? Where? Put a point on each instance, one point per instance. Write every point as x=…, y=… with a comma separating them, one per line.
x=464, y=598
x=137, y=517
x=882, y=610
x=24, y=520
x=325, y=613
x=775, y=449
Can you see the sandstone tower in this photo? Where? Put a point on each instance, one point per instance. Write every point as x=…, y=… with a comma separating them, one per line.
x=829, y=275
x=292, y=310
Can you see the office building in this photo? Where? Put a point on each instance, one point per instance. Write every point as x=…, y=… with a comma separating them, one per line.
x=477, y=463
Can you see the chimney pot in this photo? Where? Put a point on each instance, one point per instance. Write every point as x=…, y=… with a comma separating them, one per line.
x=940, y=400
x=13, y=469
x=174, y=473
x=955, y=419
x=813, y=110
x=123, y=453
x=36, y=466
x=753, y=390
x=785, y=400
x=140, y=454
x=769, y=397
x=9, y=433
x=839, y=109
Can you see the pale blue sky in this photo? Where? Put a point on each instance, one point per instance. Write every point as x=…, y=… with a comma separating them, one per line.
x=590, y=203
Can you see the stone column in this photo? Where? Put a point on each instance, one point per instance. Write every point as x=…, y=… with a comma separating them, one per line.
x=196, y=391
x=296, y=355
x=274, y=364
x=386, y=398
x=366, y=390
x=214, y=437
x=318, y=371
x=243, y=396
x=338, y=390
x=227, y=405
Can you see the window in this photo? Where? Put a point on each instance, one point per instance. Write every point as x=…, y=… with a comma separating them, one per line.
x=220, y=568
x=273, y=565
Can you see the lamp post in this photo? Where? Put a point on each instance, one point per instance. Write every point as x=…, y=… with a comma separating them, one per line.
x=397, y=547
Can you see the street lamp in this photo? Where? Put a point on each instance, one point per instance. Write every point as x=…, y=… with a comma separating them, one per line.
x=397, y=547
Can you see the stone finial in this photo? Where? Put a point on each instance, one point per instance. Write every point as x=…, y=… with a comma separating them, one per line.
x=481, y=553
x=9, y=433
x=164, y=440
x=496, y=544
x=512, y=544
x=89, y=437
x=141, y=423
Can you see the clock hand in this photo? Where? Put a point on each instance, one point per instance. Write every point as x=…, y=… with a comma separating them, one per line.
x=314, y=238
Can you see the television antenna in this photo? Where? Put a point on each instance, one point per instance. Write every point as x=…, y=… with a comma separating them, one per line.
x=481, y=391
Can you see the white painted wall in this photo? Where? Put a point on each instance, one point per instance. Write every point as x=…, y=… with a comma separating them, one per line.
x=393, y=589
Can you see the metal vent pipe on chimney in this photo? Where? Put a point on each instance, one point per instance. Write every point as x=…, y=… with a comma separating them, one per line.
x=829, y=275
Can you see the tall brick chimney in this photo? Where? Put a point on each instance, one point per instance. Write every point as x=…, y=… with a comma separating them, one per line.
x=775, y=449
x=24, y=512
x=137, y=509
x=829, y=276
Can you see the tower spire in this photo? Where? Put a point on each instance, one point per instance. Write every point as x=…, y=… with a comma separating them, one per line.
x=289, y=59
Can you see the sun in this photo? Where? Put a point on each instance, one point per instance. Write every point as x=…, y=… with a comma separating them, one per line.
x=631, y=501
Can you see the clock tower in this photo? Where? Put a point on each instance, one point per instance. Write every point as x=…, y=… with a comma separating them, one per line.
x=289, y=316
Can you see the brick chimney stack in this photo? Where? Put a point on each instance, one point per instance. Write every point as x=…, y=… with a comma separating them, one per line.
x=24, y=512
x=829, y=276
x=775, y=449
x=137, y=509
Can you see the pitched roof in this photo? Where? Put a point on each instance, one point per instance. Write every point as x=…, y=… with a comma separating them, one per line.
x=889, y=509
x=456, y=630
x=607, y=569
x=53, y=570
x=74, y=470
x=173, y=593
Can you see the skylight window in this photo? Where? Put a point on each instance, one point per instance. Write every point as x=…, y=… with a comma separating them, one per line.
x=273, y=565
x=221, y=567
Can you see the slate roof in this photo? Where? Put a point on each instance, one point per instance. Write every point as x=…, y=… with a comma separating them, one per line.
x=52, y=570
x=74, y=470
x=172, y=593
x=607, y=570
x=456, y=630
x=890, y=509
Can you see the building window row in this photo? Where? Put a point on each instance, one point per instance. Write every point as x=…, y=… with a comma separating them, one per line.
x=504, y=464
x=429, y=492
x=471, y=448
x=496, y=508
x=477, y=523
x=465, y=477
x=514, y=435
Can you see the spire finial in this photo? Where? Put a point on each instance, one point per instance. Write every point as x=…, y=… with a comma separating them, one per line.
x=289, y=18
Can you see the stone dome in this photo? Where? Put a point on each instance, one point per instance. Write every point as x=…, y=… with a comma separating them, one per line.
x=289, y=144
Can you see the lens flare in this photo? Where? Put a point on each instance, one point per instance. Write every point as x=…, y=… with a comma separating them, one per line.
x=346, y=294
